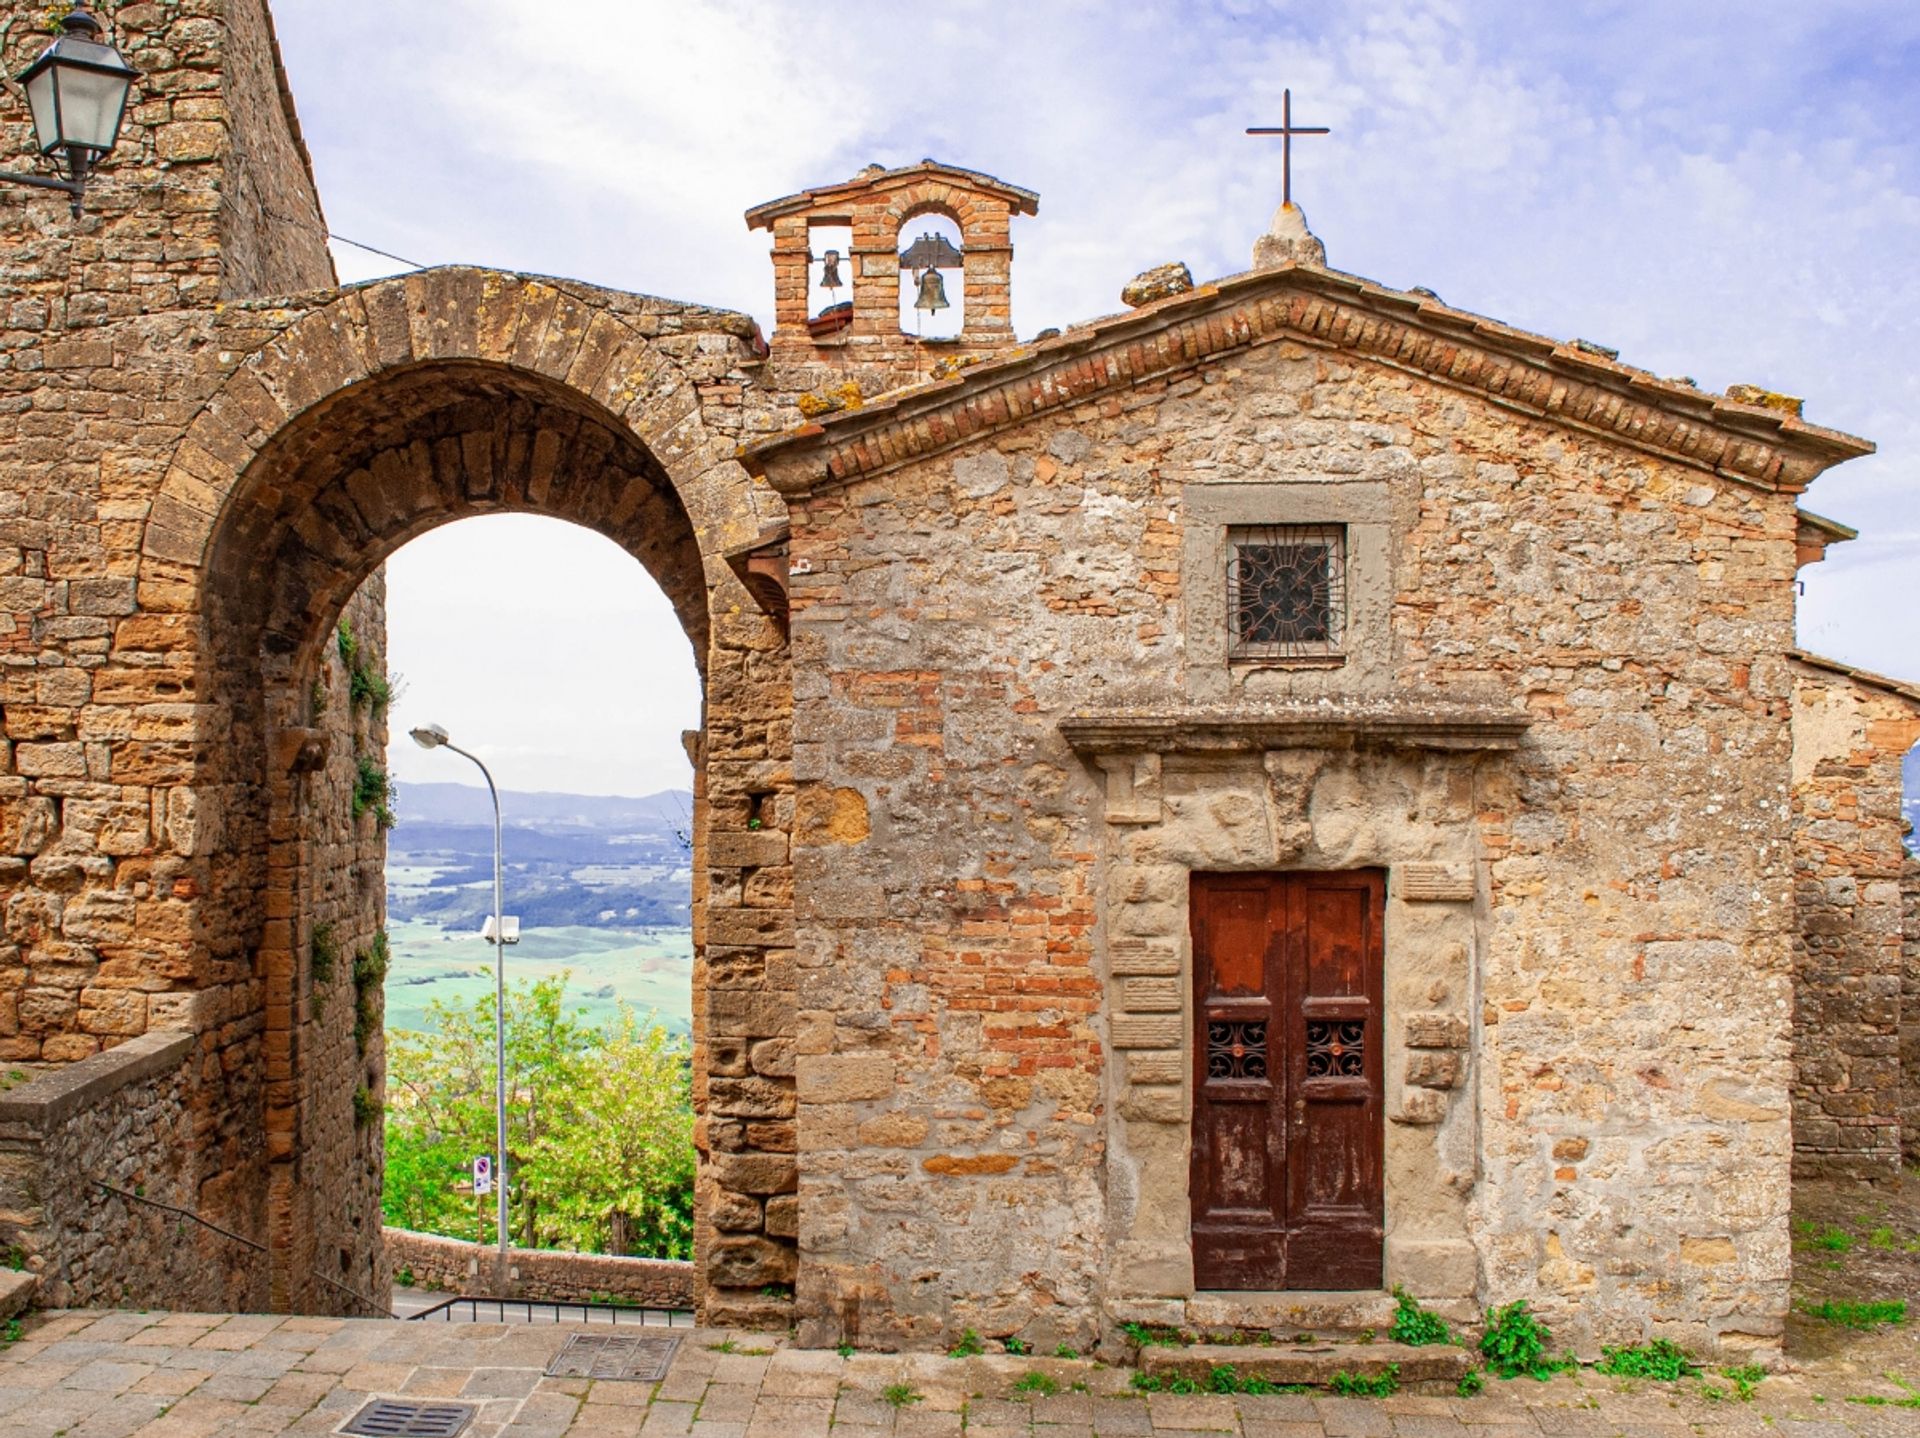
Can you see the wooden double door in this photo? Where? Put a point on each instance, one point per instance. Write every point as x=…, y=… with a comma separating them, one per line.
x=1287, y=1178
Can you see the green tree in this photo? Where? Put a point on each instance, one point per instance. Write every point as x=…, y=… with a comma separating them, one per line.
x=599, y=1126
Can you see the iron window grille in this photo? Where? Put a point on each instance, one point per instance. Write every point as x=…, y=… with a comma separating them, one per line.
x=1286, y=590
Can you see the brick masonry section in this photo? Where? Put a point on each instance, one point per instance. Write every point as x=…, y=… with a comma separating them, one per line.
x=467, y=1268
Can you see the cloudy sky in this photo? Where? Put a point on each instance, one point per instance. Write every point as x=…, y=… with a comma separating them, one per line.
x=1724, y=190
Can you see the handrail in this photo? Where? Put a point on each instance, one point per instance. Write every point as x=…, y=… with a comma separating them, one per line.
x=640, y=1311
x=382, y=1309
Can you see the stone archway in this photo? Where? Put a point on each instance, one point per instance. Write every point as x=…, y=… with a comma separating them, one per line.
x=353, y=427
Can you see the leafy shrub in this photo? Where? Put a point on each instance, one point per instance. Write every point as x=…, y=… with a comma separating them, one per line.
x=969, y=1345
x=1359, y=1385
x=1037, y=1382
x=1066, y=1350
x=1018, y=1347
x=599, y=1126
x=1746, y=1377
x=1662, y=1360
x=1413, y=1325
x=1470, y=1384
x=1845, y=1313
x=1515, y=1343
x=899, y=1395
x=366, y=1108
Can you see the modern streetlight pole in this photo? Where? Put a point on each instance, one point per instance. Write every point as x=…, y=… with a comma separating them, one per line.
x=433, y=736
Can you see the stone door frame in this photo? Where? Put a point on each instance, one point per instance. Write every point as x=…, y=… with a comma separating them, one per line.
x=1305, y=789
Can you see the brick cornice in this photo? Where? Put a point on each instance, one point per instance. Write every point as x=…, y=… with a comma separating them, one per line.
x=1530, y=374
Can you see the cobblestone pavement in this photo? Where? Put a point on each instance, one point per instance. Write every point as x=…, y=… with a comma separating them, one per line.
x=154, y=1375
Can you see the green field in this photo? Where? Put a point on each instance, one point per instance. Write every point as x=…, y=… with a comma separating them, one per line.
x=651, y=969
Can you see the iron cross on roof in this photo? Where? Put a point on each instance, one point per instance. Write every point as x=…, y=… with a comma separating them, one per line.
x=1286, y=129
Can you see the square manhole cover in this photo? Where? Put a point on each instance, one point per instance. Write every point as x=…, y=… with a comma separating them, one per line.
x=410, y=1418
x=614, y=1355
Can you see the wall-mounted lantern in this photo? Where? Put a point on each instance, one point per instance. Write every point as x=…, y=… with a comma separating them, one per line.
x=77, y=91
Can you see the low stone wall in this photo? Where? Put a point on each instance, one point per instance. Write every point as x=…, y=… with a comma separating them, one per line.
x=541, y=1273
x=123, y=1117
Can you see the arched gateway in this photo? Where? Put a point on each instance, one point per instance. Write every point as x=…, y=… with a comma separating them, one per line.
x=348, y=430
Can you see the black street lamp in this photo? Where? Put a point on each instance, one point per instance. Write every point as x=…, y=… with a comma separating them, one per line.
x=77, y=91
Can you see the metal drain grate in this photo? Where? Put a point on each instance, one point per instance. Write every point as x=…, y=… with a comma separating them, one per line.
x=410, y=1418
x=614, y=1355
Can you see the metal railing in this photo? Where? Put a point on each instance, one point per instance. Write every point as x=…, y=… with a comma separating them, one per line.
x=537, y=1310
x=372, y=1304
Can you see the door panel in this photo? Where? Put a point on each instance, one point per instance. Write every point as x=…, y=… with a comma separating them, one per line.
x=1287, y=1172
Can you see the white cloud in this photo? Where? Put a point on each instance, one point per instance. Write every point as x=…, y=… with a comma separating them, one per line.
x=1725, y=190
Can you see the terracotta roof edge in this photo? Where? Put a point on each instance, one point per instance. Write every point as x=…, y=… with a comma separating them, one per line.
x=1747, y=423
x=1898, y=688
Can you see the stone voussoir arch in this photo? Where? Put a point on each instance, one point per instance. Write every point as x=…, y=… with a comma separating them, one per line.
x=569, y=334
x=220, y=529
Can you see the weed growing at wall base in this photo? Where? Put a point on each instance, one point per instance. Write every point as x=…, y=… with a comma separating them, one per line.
x=1846, y=1313
x=1662, y=1360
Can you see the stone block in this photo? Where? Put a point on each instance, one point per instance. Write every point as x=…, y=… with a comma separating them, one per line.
x=1151, y=1067
x=1436, y=1031
x=783, y=1216
x=1434, y=1069
x=1434, y=1267
x=843, y=1078
x=1154, y=1104
x=1128, y=955
x=1146, y=1031
x=1151, y=995
x=755, y=1173
x=746, y=849
x=1433, y=883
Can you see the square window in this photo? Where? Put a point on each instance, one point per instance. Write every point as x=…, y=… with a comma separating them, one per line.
x=1286, y=590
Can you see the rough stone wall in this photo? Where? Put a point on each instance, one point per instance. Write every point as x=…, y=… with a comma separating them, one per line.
x=1910, y=1014
x=332, y=1183
x=467, y=1268
x=1628, y=972
x=1849, y=740
x=131, y=1118
x=273, y=238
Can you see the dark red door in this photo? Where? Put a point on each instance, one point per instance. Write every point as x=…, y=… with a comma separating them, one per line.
x=1287, y=1115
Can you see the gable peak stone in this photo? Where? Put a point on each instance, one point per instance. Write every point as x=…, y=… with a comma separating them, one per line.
x=1288, y=240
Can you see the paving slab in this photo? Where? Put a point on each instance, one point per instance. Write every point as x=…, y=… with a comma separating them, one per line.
x=102, y=1375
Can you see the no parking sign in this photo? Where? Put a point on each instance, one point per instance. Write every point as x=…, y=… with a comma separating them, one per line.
x=483, y=1174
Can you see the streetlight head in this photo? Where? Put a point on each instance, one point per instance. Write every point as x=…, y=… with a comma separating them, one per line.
x=77, y=91
x=430, y=736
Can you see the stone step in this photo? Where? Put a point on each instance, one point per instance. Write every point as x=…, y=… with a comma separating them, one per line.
x=16, y=1292
x=1311, y=1363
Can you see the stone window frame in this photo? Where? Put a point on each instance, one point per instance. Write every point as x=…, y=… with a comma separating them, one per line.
x=1212, y=511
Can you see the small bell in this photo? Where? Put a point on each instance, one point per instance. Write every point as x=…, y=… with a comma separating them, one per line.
x=830, y=270
x=933, y=292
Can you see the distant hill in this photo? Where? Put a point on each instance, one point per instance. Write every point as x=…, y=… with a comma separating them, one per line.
x=468, y=804
x=1911, y=804
x=572, y=860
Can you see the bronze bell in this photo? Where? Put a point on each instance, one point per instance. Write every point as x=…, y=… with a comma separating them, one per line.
x=933, y=292
x=830, y=270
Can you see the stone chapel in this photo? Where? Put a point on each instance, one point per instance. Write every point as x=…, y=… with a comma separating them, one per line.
x=1202, y=816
